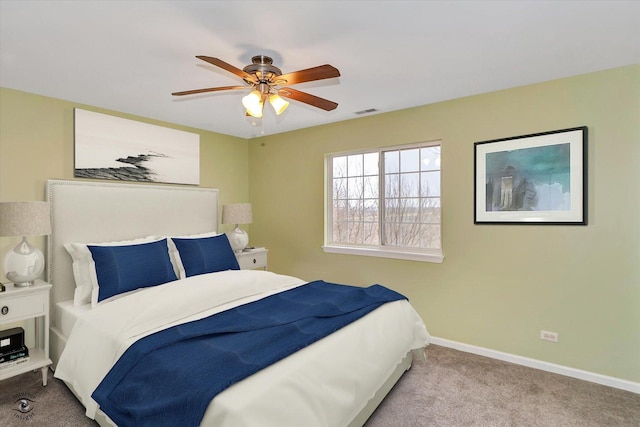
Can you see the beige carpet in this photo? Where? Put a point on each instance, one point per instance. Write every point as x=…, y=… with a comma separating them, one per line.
x=460, y=389
x=452, y=389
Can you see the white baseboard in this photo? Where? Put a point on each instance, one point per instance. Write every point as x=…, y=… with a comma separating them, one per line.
x=539, y=364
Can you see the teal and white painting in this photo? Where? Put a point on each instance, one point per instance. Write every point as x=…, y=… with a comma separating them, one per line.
x=529, y=179
x=535, y=178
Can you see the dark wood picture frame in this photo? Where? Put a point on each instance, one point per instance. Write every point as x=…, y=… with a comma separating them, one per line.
x=532, y=179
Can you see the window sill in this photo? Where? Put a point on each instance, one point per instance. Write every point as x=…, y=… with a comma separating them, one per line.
x=385, y=253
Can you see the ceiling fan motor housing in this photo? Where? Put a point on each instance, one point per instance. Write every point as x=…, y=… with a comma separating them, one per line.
x=262, y=68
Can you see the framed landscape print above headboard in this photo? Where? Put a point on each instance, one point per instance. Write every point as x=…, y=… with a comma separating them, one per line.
x=109, y=147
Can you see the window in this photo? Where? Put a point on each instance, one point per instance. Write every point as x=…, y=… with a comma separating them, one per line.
x=385, y=203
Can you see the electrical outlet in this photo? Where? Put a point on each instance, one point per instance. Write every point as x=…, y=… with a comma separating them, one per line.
x=549, y=336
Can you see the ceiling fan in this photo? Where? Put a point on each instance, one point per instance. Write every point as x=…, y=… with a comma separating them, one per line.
x=268, y=83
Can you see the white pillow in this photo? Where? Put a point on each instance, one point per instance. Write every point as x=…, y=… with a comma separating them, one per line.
x=84, y=267
x=175, y=255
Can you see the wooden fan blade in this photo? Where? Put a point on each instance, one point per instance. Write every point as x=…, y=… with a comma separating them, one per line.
x=310, y=74
x=210, y=89
x=230, y=68
x=307, y=98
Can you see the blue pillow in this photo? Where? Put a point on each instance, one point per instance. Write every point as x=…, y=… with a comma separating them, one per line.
x=122, y=269
x=206, y=255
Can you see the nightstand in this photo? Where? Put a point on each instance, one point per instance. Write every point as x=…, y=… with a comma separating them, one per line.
x=252, y=259
x=24, y=303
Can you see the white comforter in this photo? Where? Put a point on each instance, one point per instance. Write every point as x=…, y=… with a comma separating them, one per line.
x=325, y=384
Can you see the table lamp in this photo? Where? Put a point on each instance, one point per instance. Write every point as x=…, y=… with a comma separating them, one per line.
x=237, y=213
x=24, y=263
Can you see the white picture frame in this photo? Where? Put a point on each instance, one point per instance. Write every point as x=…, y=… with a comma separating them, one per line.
x=109, y=147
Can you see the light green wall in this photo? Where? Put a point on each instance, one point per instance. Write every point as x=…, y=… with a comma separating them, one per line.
x=499, y=285
x=36, y=144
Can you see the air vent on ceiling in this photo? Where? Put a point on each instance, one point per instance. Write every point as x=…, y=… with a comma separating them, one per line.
x=367, y=111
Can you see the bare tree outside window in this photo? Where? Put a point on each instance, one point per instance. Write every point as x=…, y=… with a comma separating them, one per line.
x=400, y=210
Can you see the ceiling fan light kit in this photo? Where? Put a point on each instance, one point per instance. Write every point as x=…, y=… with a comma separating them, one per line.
x=254, y=102
x=268, y=82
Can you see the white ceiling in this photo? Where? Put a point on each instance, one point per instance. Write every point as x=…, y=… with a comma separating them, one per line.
x=129, y=56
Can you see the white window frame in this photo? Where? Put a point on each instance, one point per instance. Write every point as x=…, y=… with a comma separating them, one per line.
x=379, y=250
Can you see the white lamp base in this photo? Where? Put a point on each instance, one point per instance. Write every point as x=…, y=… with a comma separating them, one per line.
x=23, y=264
x=238, y=238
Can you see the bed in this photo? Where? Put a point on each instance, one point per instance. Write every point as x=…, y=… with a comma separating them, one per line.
x=337, y=380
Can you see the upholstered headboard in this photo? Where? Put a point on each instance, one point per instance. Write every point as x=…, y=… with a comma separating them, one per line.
x=93, y=212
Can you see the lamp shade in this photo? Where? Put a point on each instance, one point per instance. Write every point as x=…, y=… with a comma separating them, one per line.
x=237, y=213
x=253, y=104
x=278, y=104
x=24, y=219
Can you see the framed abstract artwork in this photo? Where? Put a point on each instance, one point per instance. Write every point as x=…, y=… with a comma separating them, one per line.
x=109, y=147
x=532, y=179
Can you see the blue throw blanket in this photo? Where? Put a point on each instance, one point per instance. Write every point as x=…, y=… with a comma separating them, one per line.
x=170, y=377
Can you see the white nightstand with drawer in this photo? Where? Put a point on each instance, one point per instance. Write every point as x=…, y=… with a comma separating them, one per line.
x=252, y=259
x=24, y=303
